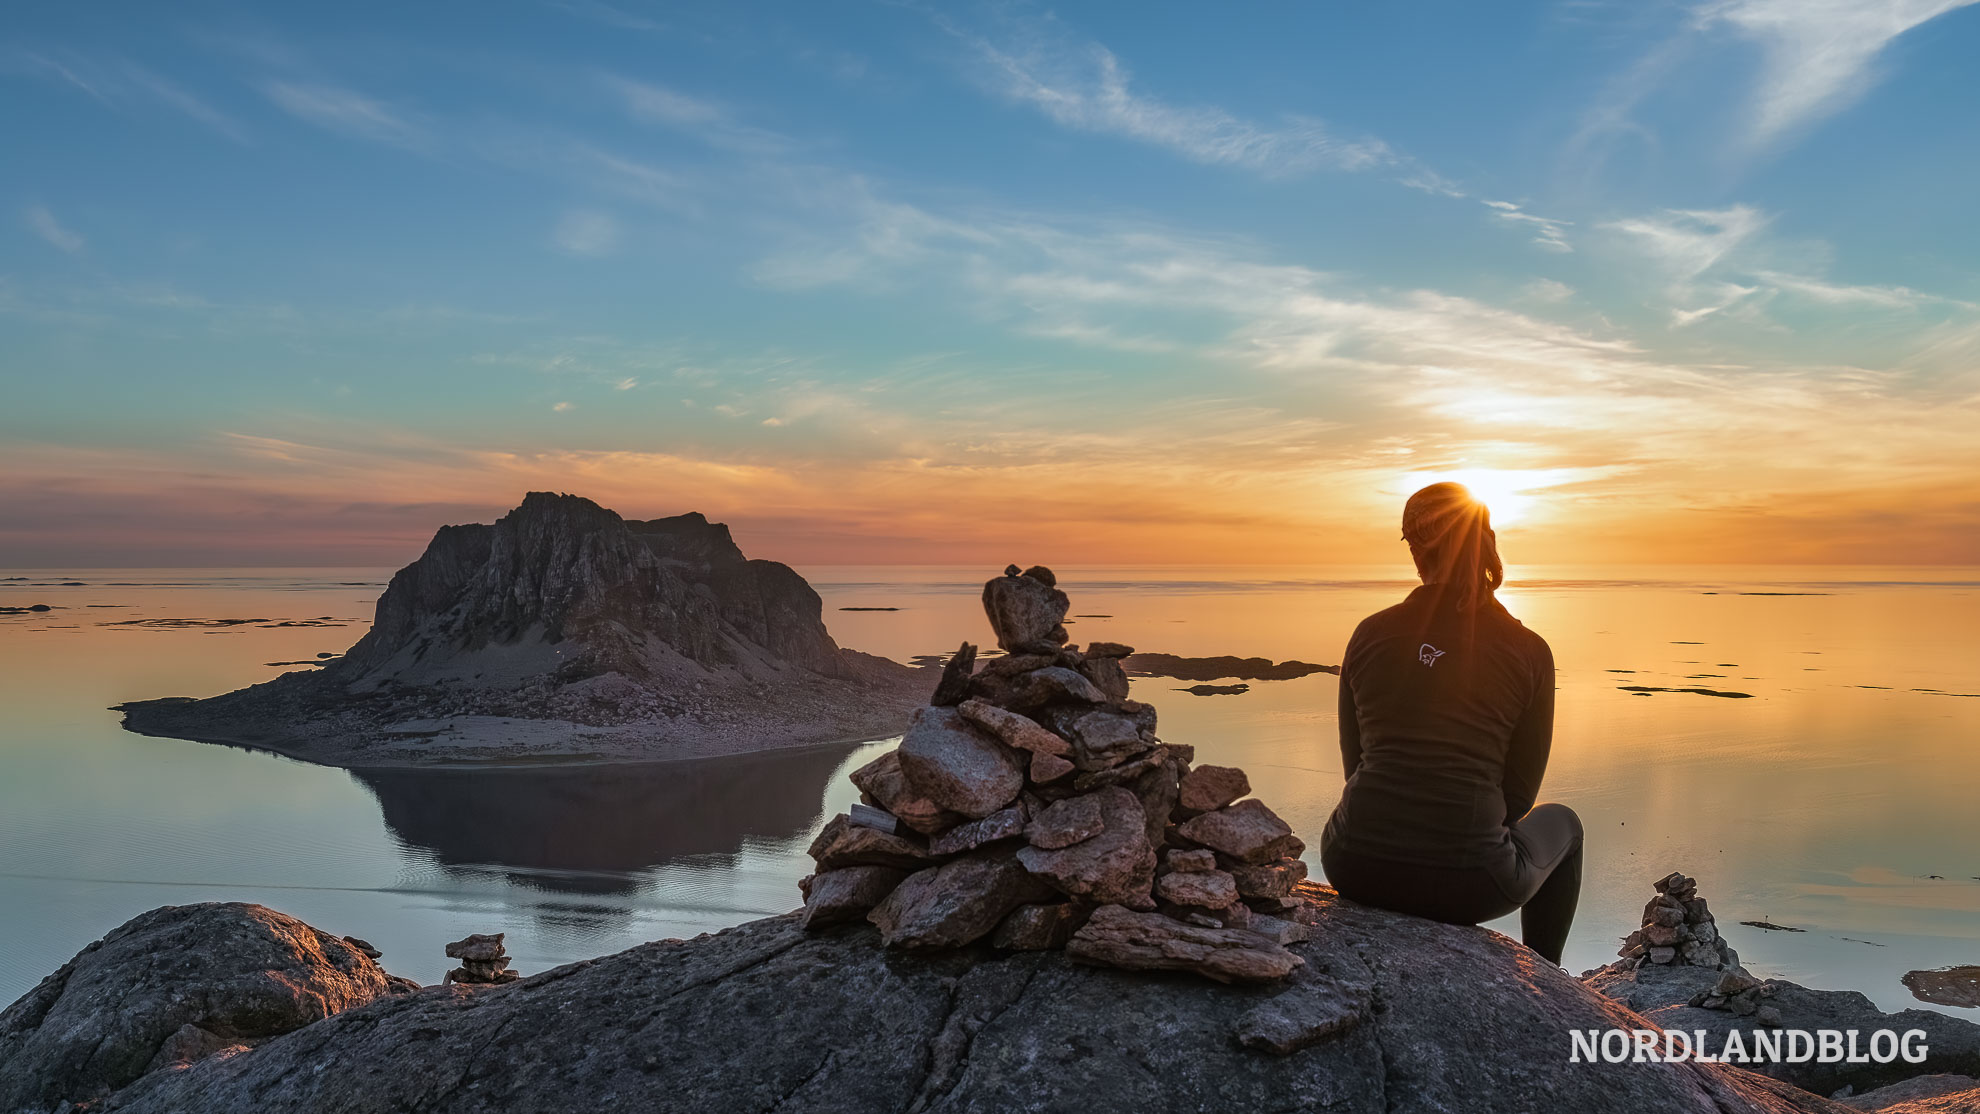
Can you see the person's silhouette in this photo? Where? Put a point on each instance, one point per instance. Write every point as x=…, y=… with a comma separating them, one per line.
x=1447, y=717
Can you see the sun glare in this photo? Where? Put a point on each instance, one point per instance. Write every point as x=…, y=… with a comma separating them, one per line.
x=1508, y=493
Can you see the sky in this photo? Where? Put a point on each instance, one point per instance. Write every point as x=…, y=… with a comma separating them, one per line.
x=933, y=283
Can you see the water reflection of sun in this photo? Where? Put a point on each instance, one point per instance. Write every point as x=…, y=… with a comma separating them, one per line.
x=1507, y=492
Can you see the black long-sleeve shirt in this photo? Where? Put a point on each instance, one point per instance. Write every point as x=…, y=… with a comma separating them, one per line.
x=1447, y=718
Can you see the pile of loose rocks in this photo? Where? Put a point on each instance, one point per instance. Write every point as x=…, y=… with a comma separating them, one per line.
x=1743, y=995
x=483, y=961
x=1031, y=805
x=1678, y=930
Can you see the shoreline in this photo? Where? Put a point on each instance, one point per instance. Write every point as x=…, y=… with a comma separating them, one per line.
x=408, y=759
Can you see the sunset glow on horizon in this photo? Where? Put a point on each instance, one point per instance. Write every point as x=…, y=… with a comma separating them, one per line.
x=888, y=285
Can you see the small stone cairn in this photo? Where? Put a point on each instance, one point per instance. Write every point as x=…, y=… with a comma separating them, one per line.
x=1742, y=995
x=483, y=962
x=1031, y=805
x=1678, y=930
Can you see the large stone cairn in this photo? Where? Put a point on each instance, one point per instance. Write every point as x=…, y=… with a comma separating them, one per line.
x=483, y=961
x=1678, y=930
x=1031, y=805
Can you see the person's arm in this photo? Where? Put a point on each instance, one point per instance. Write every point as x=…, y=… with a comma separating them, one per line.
x=1532, y=740
x=1350, y=721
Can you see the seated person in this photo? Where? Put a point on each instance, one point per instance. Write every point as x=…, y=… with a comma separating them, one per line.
x=1447, y=715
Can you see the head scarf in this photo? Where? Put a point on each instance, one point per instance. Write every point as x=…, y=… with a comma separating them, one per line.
x=1451, y=535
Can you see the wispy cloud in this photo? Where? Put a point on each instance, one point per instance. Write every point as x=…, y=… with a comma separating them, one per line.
x=707, y=120
x=1087, y=88
x=73, y=73
x=1827, y=293
x=1688, y=242
x=1687, y=245
x=119, y=84
x=347, y=112
x=1818, y=55
x=586, y=232
x=43, y=224
x=629, y=177
x=1714, y=261
x=167, y=93
x=1548, y=232
x=1431, y=182
x=1547, y=290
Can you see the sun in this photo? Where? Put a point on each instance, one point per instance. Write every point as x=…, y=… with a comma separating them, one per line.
x=1507, y=492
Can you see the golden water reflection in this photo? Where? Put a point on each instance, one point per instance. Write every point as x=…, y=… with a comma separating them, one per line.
x=1828, y=800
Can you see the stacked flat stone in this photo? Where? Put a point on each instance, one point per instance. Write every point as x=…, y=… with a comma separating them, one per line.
x=1678, y=930
x=1031, y=806
x=482, y=959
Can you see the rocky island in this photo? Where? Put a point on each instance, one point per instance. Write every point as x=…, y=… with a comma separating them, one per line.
x=564, y=632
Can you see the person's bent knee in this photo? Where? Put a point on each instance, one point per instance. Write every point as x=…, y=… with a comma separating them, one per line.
x=1555, y=818
x=1567, y=816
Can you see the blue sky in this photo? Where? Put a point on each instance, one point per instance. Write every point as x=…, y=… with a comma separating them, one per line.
x=888, y=281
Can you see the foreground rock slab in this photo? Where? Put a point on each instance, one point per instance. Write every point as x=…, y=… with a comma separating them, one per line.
x=1314, y=1008
x=173, y=985
x=765, y=1017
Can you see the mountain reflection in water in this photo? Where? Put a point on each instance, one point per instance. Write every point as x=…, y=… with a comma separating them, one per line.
x=596, y=829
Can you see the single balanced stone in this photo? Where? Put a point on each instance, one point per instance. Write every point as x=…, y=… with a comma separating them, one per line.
x=1032, y=806
x=482, y=960
x=1678, y=930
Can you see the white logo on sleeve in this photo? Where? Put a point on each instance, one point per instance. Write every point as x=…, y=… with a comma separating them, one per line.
x=1429, y=654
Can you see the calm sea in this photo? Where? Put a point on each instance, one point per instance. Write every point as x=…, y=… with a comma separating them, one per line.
x=1841, y=797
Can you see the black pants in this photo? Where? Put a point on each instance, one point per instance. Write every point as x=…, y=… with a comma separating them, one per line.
x=1541, y=879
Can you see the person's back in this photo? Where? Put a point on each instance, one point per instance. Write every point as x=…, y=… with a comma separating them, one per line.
x=1446, y=722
